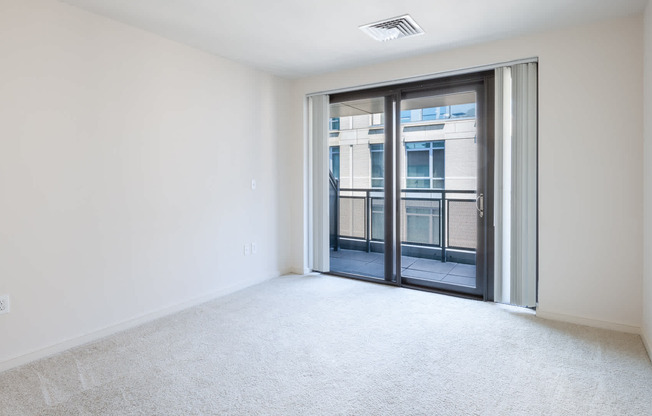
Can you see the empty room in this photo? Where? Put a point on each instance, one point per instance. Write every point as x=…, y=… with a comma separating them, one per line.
x=325, y=207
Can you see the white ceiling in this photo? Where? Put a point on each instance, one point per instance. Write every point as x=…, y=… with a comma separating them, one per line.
x=295, y=38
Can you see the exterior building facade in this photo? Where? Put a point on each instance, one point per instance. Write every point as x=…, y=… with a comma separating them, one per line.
x=438, y=155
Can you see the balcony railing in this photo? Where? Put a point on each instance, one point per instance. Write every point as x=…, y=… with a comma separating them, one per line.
x=433, y=221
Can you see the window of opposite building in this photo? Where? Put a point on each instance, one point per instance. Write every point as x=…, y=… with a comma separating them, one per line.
x=377, y=165
x=334, y=161
x=425, y=165
x=446, y=112
x=334, y=124
x=436, y=113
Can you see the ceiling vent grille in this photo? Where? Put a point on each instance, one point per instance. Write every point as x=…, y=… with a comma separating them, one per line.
x=394, y=28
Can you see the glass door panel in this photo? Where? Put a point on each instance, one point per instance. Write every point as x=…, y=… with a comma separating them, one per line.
x=357, y=140
x=439, y=177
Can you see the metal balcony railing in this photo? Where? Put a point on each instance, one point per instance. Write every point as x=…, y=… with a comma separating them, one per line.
x=430, y=218
x=334, y=210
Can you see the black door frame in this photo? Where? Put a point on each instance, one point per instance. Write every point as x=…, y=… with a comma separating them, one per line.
x=483, y=85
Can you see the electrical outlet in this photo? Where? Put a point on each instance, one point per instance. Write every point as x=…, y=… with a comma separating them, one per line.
x=247, y=249
x=254, y=248
x=4, y=304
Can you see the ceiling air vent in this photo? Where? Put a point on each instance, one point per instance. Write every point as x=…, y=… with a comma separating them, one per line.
x=394, y=28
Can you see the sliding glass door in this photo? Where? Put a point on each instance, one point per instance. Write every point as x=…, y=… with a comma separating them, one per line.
x=442, y=188
x=357, y=152
x=410, y=177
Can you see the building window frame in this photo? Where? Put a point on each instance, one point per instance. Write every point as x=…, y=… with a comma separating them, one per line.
x=436, y=176
x=377, y=168
x=334, y=161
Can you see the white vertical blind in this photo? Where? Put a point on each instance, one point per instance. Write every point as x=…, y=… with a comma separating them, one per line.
x=318, y=213
x=516, y=185
x=503, y=184
x=524, y=184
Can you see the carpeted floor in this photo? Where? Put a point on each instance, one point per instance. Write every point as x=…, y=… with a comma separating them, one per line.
x=320, y=345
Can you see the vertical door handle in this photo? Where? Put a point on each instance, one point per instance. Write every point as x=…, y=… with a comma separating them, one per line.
x=479, y=204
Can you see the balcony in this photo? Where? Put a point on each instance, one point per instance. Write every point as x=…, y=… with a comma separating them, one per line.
x=371, y=264
x=438, y=234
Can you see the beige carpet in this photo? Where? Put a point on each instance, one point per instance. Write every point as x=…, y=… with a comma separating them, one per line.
x=320, y=345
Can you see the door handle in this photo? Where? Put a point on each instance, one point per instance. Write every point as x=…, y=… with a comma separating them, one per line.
x=479, y=204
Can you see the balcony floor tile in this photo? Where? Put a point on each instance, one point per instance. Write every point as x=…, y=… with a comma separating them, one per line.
x=364, y=268
x=418, y=274
x=466, y=270
x=405, y=261
x=357, y=255
x=372, y=265
x=342, y=264
x=433, y=266
x=460, y=280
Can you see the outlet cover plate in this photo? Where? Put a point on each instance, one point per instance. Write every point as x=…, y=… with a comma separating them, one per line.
x=4, y=304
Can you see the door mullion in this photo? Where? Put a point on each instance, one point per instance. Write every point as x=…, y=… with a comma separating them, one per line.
x=397, y=185
x=389, y=188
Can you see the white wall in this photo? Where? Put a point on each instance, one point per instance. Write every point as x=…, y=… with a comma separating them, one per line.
x=647, y=277
x=590, y=152
x=125, y=169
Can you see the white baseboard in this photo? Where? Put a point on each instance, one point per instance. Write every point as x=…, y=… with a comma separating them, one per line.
x=127, y=324
x=595, y=323
x=299, y=271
